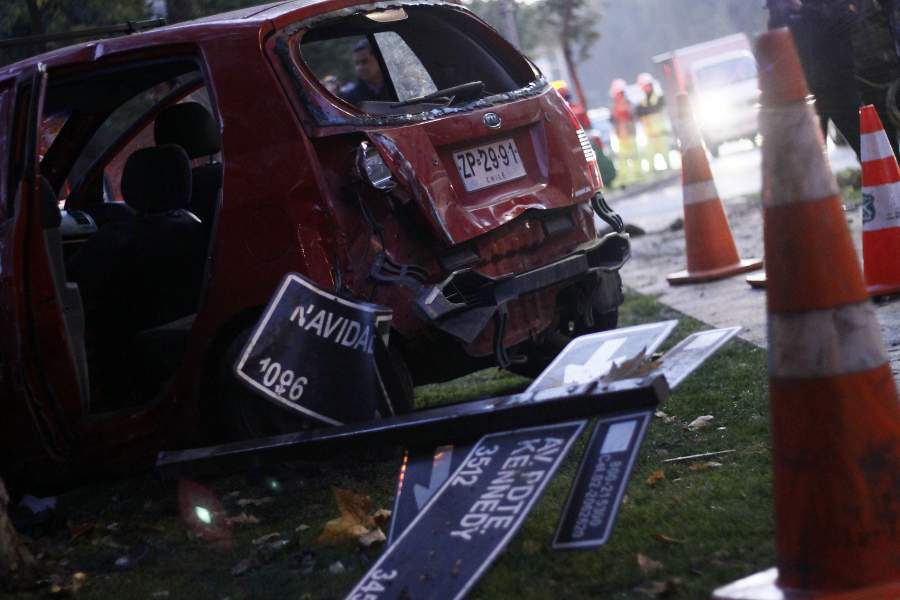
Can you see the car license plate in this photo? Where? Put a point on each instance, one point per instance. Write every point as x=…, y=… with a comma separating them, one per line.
x=487, y=165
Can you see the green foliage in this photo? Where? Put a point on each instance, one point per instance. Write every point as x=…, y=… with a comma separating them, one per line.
x=541, y=24
x=34, y=17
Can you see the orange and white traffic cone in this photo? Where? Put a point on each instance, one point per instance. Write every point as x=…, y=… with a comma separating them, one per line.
x=835, y=414
x=881, y=206
x=711, y=253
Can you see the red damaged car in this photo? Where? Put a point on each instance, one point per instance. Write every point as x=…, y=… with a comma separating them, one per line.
x=156, y=187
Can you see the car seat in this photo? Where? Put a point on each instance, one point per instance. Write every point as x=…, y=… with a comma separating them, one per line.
x=190, y=126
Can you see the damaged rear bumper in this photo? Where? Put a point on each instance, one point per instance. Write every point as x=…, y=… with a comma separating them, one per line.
x=463, y=304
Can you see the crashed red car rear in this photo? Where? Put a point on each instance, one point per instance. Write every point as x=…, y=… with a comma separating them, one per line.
x=161, y=184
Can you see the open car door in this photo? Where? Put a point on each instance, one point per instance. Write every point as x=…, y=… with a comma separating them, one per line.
x=49, y=381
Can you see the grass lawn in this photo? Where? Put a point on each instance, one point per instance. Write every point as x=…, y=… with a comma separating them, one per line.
x=704, y=524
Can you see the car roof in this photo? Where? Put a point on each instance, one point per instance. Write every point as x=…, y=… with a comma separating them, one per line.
x=248, y=20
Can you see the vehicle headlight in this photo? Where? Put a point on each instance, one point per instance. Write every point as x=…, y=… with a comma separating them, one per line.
x=372, y=169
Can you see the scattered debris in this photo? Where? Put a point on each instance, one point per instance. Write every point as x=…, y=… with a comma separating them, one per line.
x=634, y=230
x=700, y=422
x=244, y=502
x=656, y=476
x=244, y=566
x=703, y=466
x=336, y=568
x=666, y=539
x=638, y=366
x=70, y=588
x=266, y=538
x=648, y=565
x=382, y=517
x=376, y=536
x=665, y=418
x=242, y=519
x=697, y=456
x=354, y=523
x=301, y=527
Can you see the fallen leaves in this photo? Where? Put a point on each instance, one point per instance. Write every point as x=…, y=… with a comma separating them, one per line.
x=242, y=519
x=703, y=466
x=661, y=537
x=647, y=565
x=354, y=524
x=656, y=476
x=700, y=422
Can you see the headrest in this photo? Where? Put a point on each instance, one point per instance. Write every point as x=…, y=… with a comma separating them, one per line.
x=52, y=216
x=190, y=126
x=157, y=180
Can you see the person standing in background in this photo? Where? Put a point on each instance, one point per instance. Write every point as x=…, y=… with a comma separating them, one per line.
x=622, y=116
x=650, y=112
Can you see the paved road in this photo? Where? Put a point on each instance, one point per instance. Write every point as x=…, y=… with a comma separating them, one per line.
x=729, y=301
x=737, y=173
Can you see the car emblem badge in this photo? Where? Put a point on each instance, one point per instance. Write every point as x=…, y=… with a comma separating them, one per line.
x=492, y=120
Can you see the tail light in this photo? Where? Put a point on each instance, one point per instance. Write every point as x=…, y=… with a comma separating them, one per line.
x=586, y=147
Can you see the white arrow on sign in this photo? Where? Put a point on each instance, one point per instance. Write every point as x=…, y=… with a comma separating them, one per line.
x=598, y=364
x=440, y=472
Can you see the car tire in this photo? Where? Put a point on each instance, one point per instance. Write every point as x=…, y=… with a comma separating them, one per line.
x=244, y=415
x=543, y=354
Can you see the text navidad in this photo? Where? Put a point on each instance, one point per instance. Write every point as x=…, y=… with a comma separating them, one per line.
x=342, y=331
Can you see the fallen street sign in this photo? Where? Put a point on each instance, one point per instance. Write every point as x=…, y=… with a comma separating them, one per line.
x=691, y=352
x=469, y=521
x=585, y=358
x=590, y=356
x=422, y=473
x=442, y=425
x=313, y=351
x=593, y=503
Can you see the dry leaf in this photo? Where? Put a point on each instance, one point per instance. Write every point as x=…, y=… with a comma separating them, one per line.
x=242, y=519
x=376, y=536
x=637, y=366
x=382, y=517
x=700, y=422
x=656, y=476
x=354, y=521
x=648, y=565
x=664, y=538
x=665, y=418
x=266, y=538
x=301, y=527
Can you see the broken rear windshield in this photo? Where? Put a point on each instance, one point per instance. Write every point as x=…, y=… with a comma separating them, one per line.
x=406, y=61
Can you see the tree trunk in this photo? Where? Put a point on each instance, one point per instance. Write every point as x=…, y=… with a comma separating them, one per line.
x=36, y=19
x=565, y=38
x=15, y=559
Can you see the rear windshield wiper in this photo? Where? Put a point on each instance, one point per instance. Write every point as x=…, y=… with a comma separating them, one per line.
x=463, y=91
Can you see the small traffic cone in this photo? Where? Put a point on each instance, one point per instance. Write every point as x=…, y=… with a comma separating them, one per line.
x=835, y=415
x=881, y=207
x=711, y=253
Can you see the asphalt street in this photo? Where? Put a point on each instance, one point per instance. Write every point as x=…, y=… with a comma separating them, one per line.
x=729, y=301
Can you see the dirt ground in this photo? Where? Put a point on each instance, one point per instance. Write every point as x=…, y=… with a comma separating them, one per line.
x=730, y=301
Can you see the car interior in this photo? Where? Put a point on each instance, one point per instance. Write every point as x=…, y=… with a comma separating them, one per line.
x=130, y=184
x=420, y=74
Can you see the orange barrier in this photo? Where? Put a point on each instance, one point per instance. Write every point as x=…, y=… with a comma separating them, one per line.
x=835, y=413
x=881, y=206
x=711, y=253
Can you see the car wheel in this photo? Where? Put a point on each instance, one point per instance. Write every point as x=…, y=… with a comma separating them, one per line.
x=543, y=354
x=244, y=414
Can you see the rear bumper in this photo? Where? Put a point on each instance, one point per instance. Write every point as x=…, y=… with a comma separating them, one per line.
x=463, y=304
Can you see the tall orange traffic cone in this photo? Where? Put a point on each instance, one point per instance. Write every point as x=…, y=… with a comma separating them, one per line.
x=881, y=206
x=711, y=253
x=835, y=415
